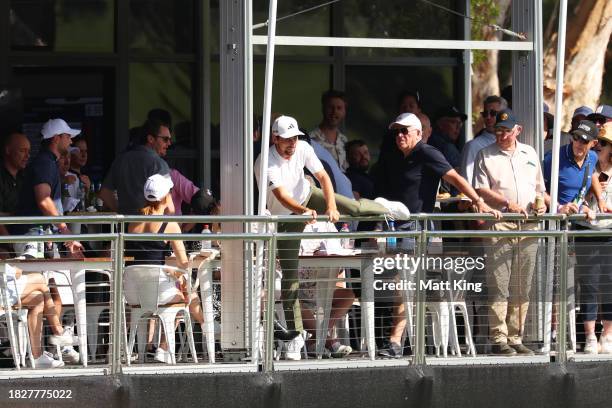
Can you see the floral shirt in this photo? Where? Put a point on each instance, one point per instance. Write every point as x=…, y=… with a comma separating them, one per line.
x=337, y=150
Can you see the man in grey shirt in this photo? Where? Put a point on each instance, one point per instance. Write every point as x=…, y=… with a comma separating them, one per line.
x=130, y=170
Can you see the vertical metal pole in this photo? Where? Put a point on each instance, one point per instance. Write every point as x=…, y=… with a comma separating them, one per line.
x=419, y=355
x=116, y=329
x=205, y=143
x=467, y=74
x=269, y=311
x=562, y=332
x=122, y=73
x=554, y=178
x=538, y=53
x=5, y=43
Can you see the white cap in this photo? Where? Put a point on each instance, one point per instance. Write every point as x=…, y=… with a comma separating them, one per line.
x=57, y=127
x=583, y=110
x=409, y=120
x=286, y=127
x=157, y=187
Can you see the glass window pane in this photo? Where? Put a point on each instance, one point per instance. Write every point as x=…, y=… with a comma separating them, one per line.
x=161, y=26
x=372, y=94
x=314, y=23
x=161, y=85
x=394, y=19
x=63, y=25
x=297, y=91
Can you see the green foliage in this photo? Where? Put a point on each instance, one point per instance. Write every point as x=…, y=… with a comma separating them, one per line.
x=484, y=12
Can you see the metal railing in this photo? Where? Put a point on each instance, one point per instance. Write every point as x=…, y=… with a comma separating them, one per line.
x=558, y=236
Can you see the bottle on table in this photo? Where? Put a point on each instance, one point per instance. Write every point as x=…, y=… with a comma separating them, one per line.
x=345, y=242
x=391, y=241
x=82, y=196
x=206, y=243
x=40, y=245
x=99, y=203
x=380, y=241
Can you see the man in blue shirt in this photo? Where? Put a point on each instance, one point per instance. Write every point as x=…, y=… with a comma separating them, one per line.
x=576, y=166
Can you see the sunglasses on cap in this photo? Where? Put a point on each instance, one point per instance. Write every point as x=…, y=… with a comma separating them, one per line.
x=490, y=112
x=577, y=138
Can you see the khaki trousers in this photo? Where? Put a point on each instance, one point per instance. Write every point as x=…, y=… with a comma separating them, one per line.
x=510, y=266
x=288, y=250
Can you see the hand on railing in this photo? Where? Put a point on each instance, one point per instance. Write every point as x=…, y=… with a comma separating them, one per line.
x=312, y=213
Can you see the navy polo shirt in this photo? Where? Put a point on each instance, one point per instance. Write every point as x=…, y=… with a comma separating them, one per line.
x=42, y=170
x=570, y=175
x=413, y=179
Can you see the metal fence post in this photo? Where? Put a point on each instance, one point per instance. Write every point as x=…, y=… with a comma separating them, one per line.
x=269, y=310
x=562, y=332
x=116, y=332
x=419, y=355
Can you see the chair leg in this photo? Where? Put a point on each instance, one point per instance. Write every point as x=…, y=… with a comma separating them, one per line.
x=167, y=323
x=468, y=329
x=455, y=347
x=190, y=339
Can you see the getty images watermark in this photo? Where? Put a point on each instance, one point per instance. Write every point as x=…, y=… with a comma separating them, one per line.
x=458, y=265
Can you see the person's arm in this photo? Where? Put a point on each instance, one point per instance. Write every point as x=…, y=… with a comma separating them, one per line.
x=283, y=197
x=328, y=193
x=597, y=193
x=462, y=185
x=182, y=261
x=42, y=195
x=108, y=197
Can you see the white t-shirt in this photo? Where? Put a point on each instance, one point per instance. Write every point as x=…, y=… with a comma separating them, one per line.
x=289, y=173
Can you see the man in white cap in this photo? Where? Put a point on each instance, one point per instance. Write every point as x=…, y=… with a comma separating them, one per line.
x=412, y=178
x=41, y=195
x=289, y=192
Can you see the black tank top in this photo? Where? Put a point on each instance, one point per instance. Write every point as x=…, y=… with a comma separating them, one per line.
x=148, y=252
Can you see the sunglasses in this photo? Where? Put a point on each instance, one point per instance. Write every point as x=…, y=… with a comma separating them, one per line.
x=490, y=112
x=603, y=143
x=579, y=139
x=403, y=131
x=166, y=139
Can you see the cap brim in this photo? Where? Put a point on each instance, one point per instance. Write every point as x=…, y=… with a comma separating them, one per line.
x=73, y=132
x=582, y=134
x=507, y=124
x=290, y=134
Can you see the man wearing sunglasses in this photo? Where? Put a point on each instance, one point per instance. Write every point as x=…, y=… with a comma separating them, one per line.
x=131, y=169
x=602, y=115
x=576, y=166
x=492, y=104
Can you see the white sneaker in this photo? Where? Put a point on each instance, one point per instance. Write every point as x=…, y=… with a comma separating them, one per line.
x=339, y=350
x=46, y=360
x=65, y=339
x=163, y=356
x=70, y=355
x=590, y=345
x=294, y=348
x=396, y=209
x=605, y=343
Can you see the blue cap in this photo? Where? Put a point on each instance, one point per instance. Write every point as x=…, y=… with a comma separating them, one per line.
x=505, y=118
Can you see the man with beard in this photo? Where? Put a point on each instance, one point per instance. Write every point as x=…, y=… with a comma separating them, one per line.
x=358, y=157
x=328, y=133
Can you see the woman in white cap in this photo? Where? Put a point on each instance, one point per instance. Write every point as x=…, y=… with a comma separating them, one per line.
x=157, y=194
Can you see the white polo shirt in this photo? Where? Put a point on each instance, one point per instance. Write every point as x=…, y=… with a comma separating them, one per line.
x=289, y=173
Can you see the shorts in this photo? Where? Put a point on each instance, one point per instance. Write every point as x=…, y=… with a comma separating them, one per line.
x=167, y=288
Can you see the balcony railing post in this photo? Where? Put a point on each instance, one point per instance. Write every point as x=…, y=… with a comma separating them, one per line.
x=562, y=332
x=117, y=328
x=269, y=310
x=421, y=247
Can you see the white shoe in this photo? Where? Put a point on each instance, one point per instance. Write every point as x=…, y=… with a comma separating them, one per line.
x=163, y=356
x=65, y=339
x=590, y=345
x=46, y=360
x=70, y=355
x=294, y=348
x=605, y=343
x=396, y=209
x=339, y=350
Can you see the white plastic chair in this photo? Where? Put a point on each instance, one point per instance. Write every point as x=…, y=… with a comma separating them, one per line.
x=142, y=291
x=20, y=341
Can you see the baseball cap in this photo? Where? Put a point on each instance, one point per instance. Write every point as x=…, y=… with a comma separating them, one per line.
x=286, y=127
x=583, y=110
x=605, y=132
x=505, y=118
x=410, y=120
x=602, y=113
x=587, y=130
x=57, y=127
x=203, y=202
x=450, y=112
x=157, y=187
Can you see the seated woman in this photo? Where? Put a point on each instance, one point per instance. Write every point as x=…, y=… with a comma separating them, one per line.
x=157, y=193
x=34, y=294
x=342, y=299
